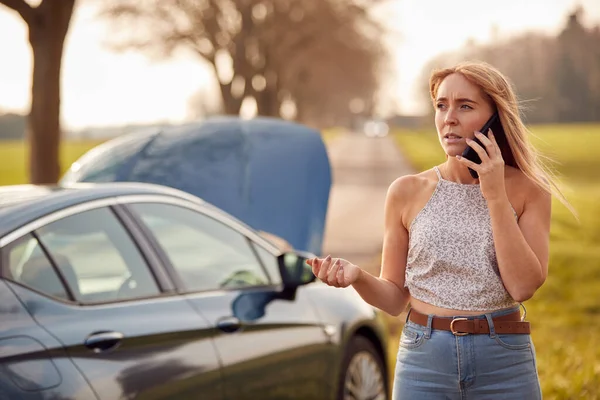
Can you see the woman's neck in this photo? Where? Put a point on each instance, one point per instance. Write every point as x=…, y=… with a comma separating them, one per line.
x=452, y=170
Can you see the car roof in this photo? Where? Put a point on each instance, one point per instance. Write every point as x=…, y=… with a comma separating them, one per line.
x=21, y=204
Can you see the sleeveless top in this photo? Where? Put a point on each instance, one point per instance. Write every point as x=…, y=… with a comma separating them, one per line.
x=451, y=255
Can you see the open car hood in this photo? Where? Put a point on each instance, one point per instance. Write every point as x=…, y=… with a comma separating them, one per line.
x=271, y=174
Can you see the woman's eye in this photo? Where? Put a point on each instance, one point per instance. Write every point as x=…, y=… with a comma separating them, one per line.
x=440, y=105
x=466, y=106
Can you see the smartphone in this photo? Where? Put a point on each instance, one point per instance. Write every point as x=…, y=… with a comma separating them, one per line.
x=470, y=153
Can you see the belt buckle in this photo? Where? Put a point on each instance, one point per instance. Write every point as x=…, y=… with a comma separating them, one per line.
x=456, y=333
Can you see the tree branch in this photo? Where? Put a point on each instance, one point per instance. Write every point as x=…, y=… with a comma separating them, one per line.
x=22, y=7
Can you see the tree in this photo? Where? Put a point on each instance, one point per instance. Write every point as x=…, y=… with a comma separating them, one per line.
x=574, y=71
x=258, y=49
x=341, y=68
x=48, y=24
x=557, y=77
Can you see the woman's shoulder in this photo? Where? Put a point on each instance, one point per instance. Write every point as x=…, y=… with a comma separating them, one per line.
x=523, y=186
x=409, y=193
x=410, y=185
x=519, y=180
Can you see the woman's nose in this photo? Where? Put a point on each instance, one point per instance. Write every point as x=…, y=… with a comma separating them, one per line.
x=450, y=118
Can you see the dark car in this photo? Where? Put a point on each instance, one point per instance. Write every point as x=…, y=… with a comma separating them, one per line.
x=124, y=290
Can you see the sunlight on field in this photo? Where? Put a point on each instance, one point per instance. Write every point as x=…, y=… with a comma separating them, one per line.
x=330, y=134
x=565, y=312
x=15, y=155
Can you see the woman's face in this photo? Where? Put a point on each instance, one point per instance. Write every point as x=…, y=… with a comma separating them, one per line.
x=461, y=108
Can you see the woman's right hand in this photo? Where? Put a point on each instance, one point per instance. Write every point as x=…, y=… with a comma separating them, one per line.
x=335, y=272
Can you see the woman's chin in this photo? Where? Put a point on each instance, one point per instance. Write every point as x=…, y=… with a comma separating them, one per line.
x=453, y=152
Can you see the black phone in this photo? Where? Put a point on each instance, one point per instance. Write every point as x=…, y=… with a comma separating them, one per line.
x=470, y=153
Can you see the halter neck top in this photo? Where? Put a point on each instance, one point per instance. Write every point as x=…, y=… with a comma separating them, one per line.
x=451, y=255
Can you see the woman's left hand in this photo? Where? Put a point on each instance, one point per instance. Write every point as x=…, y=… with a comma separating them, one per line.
x=491, y=169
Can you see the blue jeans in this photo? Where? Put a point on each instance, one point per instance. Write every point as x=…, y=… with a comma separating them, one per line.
x=435, y=364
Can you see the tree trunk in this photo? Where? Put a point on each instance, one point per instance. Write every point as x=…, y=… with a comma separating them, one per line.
x=47, y=31
x=231, y=104
x=268, y=103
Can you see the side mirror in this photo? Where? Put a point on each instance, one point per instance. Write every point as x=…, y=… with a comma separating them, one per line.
x=294, y=269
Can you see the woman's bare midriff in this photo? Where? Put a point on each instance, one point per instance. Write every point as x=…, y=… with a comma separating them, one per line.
x=425, y=308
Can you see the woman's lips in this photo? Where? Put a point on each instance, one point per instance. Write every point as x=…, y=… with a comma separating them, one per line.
x=453, y=139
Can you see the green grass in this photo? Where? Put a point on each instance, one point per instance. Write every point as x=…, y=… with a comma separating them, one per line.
x=565, y=312
x=331, y=133
x=15, y=156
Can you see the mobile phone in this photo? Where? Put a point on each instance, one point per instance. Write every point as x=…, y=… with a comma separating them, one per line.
x=470, y=153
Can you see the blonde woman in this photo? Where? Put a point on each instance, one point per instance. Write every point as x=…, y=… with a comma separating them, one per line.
x=463, y=251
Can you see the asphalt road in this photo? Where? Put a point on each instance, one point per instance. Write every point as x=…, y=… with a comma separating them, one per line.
x=363, y=169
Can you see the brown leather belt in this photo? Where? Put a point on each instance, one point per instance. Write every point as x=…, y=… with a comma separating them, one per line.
x=510, y=323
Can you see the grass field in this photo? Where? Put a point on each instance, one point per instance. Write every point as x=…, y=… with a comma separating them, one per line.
x=565, y=312
x=15, y=156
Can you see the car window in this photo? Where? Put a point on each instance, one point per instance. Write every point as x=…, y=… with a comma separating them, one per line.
x=28, y=265
x=270, y=262
x=206, y=253
x=98, y=257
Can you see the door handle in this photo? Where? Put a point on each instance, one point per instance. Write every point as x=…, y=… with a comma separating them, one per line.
x=103, y=341
x=229, y=324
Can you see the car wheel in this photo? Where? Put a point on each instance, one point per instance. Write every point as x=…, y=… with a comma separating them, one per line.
x=363, y=376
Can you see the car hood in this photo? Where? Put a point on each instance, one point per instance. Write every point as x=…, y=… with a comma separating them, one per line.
x=271, y=174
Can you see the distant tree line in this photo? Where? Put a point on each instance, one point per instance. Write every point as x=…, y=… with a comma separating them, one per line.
x=556, y=77
x=12, y=126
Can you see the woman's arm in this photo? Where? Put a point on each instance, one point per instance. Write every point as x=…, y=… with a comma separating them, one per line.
x=387, y=291
x=522, y=248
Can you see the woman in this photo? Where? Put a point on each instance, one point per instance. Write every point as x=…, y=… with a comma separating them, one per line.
x=464, y=252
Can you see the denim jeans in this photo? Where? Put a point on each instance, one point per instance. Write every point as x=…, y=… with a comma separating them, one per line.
x=435, y=364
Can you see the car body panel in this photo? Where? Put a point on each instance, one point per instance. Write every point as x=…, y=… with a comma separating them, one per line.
x=166, y=346
x=34, y=363
x=349, y=315
x=271, y=347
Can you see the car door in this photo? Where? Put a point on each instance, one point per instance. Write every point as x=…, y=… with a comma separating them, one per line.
x=271, y=347
x=85, y=279
x=33, y=363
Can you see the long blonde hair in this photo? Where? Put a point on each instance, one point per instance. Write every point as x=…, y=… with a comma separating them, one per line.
x=516, y=148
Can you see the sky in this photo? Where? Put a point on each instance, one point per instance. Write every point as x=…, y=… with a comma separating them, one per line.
x=101, y=87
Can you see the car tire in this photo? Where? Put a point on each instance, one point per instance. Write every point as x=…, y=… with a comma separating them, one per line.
x=363, y=372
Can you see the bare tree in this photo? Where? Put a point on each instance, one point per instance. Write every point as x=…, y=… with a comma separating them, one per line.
x=324, y=89
x=257, y=48
x=48, y=23
x=345, y=65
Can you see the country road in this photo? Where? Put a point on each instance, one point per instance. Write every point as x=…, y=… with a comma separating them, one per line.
x=363, y=169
